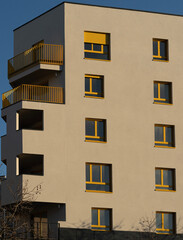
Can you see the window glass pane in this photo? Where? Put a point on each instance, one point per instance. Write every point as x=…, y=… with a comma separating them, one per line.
x=90, y=128
x=158, y=133
x=96, y=55
x=167, y=91
x=94, y=217
x=158, y=176
x=106, y=49
x=167, y=177
x=100, y=128
x=87, y=172
x=168, y=221
x=88, y=46
x=164, y=91
x=105, y=174
x=98, y=187
x=96, y=47
x=169, y=134
x=163, y=48
x=97, y=85
x=155, y=47
x=158, y=220
x=87, y=84
x=95, y=173
x=155, y=90
x=105, y=217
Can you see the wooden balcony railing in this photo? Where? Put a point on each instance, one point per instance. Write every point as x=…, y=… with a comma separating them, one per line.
x=40, y=53
x=33, y=93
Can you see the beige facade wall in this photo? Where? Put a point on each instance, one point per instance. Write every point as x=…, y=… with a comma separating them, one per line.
x=127, y=107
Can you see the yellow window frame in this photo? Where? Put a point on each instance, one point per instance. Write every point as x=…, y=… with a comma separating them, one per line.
x=96, y=131
x=163, y=229
x=162, y=181
x=159, y=54
x=96, y=38
x=91, y=180
x=164, y=134
x=99, y=225
x=159, y=92
x=91, y=77
x=94, y=51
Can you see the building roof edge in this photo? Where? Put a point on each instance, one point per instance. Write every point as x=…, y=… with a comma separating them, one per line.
x=92, y=5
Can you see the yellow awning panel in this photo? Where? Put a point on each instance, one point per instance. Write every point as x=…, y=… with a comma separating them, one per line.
x=98, y=38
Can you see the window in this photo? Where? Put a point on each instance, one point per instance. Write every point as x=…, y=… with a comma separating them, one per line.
x=160, y=49
x=95, y=130
x=101, y=219
x=164, y=136
x=98, y=177
x=165, y=222
x=94, y=86
x=96, y=45
x=165, y=179
x=162, y=92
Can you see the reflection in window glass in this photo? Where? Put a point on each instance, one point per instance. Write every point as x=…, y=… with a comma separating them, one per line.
x=94, y=217
x=163, y=48
x=159, y=133
x=87, y=84
x=96, y=173
x=87, y=172
x=158, y=176
x=169, y=134
x=158, y=220
x=97, y=47
x=155, y=48
x=90, y=128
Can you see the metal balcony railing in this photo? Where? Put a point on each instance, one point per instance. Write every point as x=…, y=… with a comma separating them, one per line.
x=35, y=93
x=40, y=53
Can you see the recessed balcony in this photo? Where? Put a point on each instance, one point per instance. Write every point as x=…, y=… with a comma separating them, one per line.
x=34, y=93
x=34, y=60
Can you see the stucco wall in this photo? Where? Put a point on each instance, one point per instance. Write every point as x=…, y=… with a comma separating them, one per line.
x=127, y=107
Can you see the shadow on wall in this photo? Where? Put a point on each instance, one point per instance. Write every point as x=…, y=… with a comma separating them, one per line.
x=87, y=234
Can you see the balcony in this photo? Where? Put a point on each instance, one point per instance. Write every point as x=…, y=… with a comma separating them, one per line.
x=41, y=56
x=34, y=93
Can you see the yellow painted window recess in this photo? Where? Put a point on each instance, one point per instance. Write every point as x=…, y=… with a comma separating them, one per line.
x=163, y=92
x=98, y=177
x=101, y=219
x=165, y=179
x=95, y=130
x=160, y=50
x=164, y=136
x=97, y=45
x=165, y=223
x=94, y=86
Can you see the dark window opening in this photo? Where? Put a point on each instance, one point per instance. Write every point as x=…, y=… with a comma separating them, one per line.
x=30, y=119
x=31, y=164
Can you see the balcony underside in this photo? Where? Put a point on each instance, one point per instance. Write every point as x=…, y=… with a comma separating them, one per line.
x=40, y=57
x=32, y=72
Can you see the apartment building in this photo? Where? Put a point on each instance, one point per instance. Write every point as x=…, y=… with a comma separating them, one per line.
x=94, y=121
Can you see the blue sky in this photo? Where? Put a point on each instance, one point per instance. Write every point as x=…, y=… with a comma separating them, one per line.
x=14, y=13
